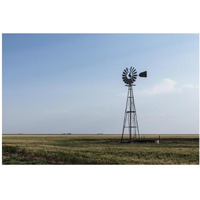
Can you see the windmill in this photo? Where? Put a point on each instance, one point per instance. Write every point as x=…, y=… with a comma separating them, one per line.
x=129, y=76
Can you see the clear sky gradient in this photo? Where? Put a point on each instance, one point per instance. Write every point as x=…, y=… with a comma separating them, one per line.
x=60, y=83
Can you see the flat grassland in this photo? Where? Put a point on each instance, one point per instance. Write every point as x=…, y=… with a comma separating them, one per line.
x=98, y=149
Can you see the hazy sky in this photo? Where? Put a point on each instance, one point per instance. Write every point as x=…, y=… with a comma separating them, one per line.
x=59, y=83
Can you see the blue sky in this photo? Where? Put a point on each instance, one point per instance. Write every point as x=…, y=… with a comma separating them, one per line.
x=56, y=83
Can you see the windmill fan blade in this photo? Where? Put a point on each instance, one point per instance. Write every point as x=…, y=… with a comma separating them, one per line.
x=133, y=71
x=143, y=74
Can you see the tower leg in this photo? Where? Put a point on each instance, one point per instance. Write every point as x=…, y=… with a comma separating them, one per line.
x=125, y=118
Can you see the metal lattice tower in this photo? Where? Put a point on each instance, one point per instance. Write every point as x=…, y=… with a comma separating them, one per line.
x=130, y=117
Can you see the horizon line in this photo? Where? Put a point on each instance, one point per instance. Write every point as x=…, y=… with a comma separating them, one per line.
x=96, y=134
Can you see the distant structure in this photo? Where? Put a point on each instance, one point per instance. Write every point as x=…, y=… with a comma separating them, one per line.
x=129, y=76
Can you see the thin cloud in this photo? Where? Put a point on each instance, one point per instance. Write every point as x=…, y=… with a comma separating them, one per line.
x=190, y=86
x=56, y=111
x=166, y=86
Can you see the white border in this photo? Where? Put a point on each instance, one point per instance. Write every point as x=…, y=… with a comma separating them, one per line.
x=99, y=182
